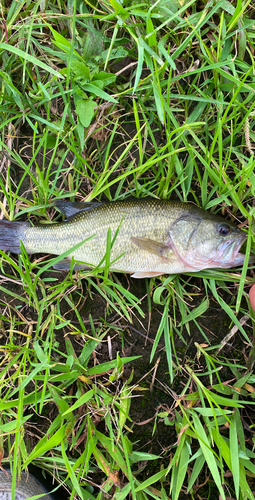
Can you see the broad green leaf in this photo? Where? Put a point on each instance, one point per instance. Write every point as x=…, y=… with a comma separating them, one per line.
x=85, y=111
x=225, y=451
x=139, y=456
x=198, y=311
x=228, y=7
x=208, y=412
x=47, y=444
x=182, y=470
x=233, y=442
x=151, y=480
x=152, y=39
x=12, y=425
x=103, y=78
x=85, y=495
x=139, y=64
x=110, y=365
x=81, y=71
x=120, y=11
x=94, y=44
x=196, y=469
x=166, y=55
x=159, y=102
x=112, y=449
x=89, y=87
x=81, y=401
x=27, y=57
x=208, y=454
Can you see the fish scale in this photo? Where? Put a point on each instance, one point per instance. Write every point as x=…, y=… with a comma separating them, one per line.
x=150, y=218
x=153, y=237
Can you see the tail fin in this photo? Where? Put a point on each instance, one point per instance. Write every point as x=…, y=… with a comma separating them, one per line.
x=10, y=235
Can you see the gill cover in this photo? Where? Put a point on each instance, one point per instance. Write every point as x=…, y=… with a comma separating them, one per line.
x=203, y=243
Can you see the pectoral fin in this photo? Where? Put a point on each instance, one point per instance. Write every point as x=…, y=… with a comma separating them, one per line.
x=151, y=246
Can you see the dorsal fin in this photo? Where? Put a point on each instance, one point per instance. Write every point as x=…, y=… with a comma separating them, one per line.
x=69, y=208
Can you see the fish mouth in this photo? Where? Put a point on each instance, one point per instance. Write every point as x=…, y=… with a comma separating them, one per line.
x=229, y=252
x=227, y=255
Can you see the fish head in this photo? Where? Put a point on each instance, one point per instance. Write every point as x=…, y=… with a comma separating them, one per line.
x=206, y=242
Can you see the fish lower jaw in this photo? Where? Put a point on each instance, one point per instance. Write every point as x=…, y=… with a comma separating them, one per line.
x=229, y=252
x=238, y=260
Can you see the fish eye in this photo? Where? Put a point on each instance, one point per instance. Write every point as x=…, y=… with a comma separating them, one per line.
x=224, y=229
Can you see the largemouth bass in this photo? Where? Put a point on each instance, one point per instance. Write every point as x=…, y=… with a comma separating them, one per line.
x=153, y=237
x=26, y=487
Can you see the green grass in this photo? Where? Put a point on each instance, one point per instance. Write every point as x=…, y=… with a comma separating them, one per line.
x=105, y=100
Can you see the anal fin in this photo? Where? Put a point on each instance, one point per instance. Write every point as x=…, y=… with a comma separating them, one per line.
x=146, y=274
x=65, y=265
